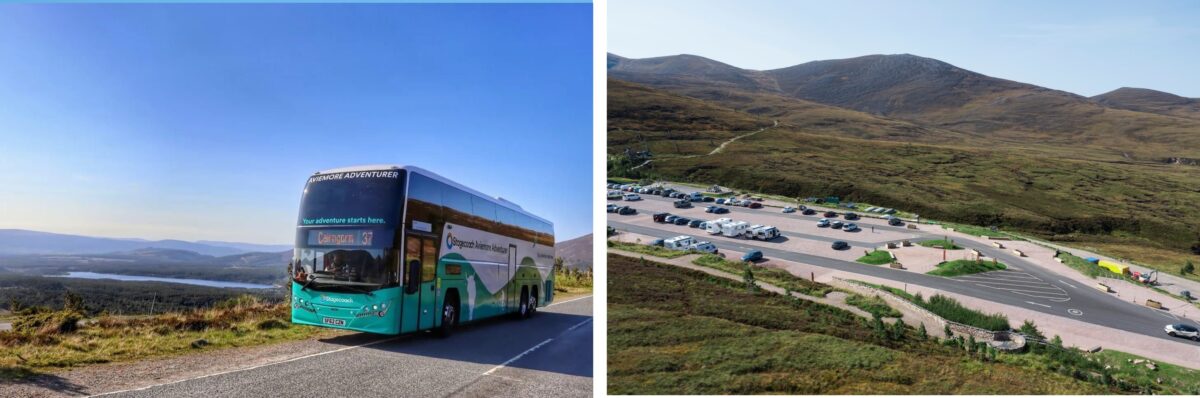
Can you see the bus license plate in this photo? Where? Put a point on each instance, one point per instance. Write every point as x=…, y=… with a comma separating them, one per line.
x=333, y=321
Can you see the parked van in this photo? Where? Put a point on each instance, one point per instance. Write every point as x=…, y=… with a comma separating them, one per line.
x=681, y=242
x=764, y=233
x=735, y=229
x=715, y=226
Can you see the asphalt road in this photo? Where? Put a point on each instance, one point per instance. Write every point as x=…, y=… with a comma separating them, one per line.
x=547, y=355
x=1082, y=302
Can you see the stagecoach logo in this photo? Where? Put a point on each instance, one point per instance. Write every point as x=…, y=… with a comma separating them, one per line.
x=452, y=241
x=335, y=299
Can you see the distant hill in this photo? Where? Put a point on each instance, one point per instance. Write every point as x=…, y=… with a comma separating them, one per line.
x=246, y=247
x=934, y=95
x=1152, y=101
x=19, y=241
x=576, y=253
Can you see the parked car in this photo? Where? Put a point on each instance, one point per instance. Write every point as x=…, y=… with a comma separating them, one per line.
x=789, y=209
x=709, y=209
x=632, y=197
x=615, y=195
x=695, y=223
x=848, y=216
x=660, y=217
x=836, y=225
x=612, y=208
x=626, y=210
x=720, y=210
x=753, y=255
x=840, y=245
x=720, y=201
x=704, y=247
x=830, y=214
x=682, y=204
x=823, y=223
x=709, y=199
x=682, y=221
x=656, y=242
x=703, y=225
x=808, y=212
x=1183, y=330
x=895, y=222
x=670, y=219
x=850, y=227
x=755, y=205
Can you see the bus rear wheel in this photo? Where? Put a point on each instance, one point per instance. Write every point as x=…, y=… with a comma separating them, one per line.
x=449, y=318
x=523, y=308
x=533, y=303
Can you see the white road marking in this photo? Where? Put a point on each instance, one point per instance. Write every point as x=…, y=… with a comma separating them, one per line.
x=1074, y=312
x=1068, y=284
x=532, y=349
x=564, y=302
x=1030, y=302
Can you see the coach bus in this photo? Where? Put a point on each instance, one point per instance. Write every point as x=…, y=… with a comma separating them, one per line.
x=398, y=249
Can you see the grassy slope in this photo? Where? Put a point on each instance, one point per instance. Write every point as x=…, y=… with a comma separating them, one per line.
x=777, y=277
x=672, y=331
x=877, y=257
x=1138, y=210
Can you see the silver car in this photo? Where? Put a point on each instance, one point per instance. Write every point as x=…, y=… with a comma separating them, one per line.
x=1182, y=330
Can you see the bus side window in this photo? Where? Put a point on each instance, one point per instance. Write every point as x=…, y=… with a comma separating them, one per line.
x=414, y=276
x=412, y=264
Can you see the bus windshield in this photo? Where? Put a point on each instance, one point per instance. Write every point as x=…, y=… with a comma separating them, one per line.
x=363, y=269
x=352, y=198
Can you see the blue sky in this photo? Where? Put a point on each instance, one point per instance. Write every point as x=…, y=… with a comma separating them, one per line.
x=203, y=121
x=1083, y=47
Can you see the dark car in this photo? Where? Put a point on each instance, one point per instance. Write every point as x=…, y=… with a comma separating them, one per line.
x=755, y=205
x=808, y=212
x=720, y=201
x=753, y=255
x=710, y=209
x=851, y=216
x=720, y=210
x=709, y=199
x=895, y=222
x=682, y=221
x=626, y=210
x=661, y=217
x=665, y=194
x=670, y=219
x=656, y=242
x=683, y=204
x=830, y=214
x=695, y=223
x=840, y=245
x=837, y=225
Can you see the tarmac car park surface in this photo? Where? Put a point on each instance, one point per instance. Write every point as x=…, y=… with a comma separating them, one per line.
x=1024, y=284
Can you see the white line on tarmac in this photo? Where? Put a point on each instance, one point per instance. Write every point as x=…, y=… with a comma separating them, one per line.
x=1068, y=284
x=532, y=349
x=1030, y=302
x=1031, y=286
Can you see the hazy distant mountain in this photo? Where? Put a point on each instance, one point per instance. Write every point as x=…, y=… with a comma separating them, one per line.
x=248, y=247
x=257, y=259
x=1153, y=101
x=576, y=253
x=18, y=241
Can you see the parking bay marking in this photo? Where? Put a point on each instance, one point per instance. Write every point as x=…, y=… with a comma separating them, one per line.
x=1074, y=312
x=1030, y=302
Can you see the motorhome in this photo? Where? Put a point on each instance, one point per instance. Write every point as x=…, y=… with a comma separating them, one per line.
x=735, y=229
x=714, y=227
x=764, y=233
x=681, y=242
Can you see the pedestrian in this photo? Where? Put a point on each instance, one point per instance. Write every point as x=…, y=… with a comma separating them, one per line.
x=872, y=229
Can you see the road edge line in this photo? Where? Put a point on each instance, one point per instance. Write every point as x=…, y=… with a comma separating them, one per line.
x=534, y=348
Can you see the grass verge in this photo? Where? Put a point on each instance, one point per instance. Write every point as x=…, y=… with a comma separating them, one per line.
x=940, y=244
x=772, y=276
x=874, y=305
x=877, y=257
x=949, y=309
x=965, y=267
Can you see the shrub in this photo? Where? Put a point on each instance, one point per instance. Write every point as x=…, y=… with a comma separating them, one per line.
x=950, y=309
x=272, y=323
x=1031, y=330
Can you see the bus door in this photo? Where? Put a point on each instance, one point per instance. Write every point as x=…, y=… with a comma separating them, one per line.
x=514, y=291
x=420, y=286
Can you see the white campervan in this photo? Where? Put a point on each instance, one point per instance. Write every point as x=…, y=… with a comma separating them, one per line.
x=734, y=229
x=714, y=227
x=681, y=242
x=764, y=233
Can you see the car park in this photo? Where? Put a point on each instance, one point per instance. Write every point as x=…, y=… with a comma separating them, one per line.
x=682, y=221
x=895, y=222
x=704, y=247
x=808, y=212
x=836, y=225
x=753, y=255
x=632, y=197
x=840, y=245
x=851, y=216
x=1183, y=330
x=850, y=227
x=626, y=211
x=694, y=223
x=682, y=204
x=824, y=222
x=789, y=209
x=830, y=214
x=661, y=217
